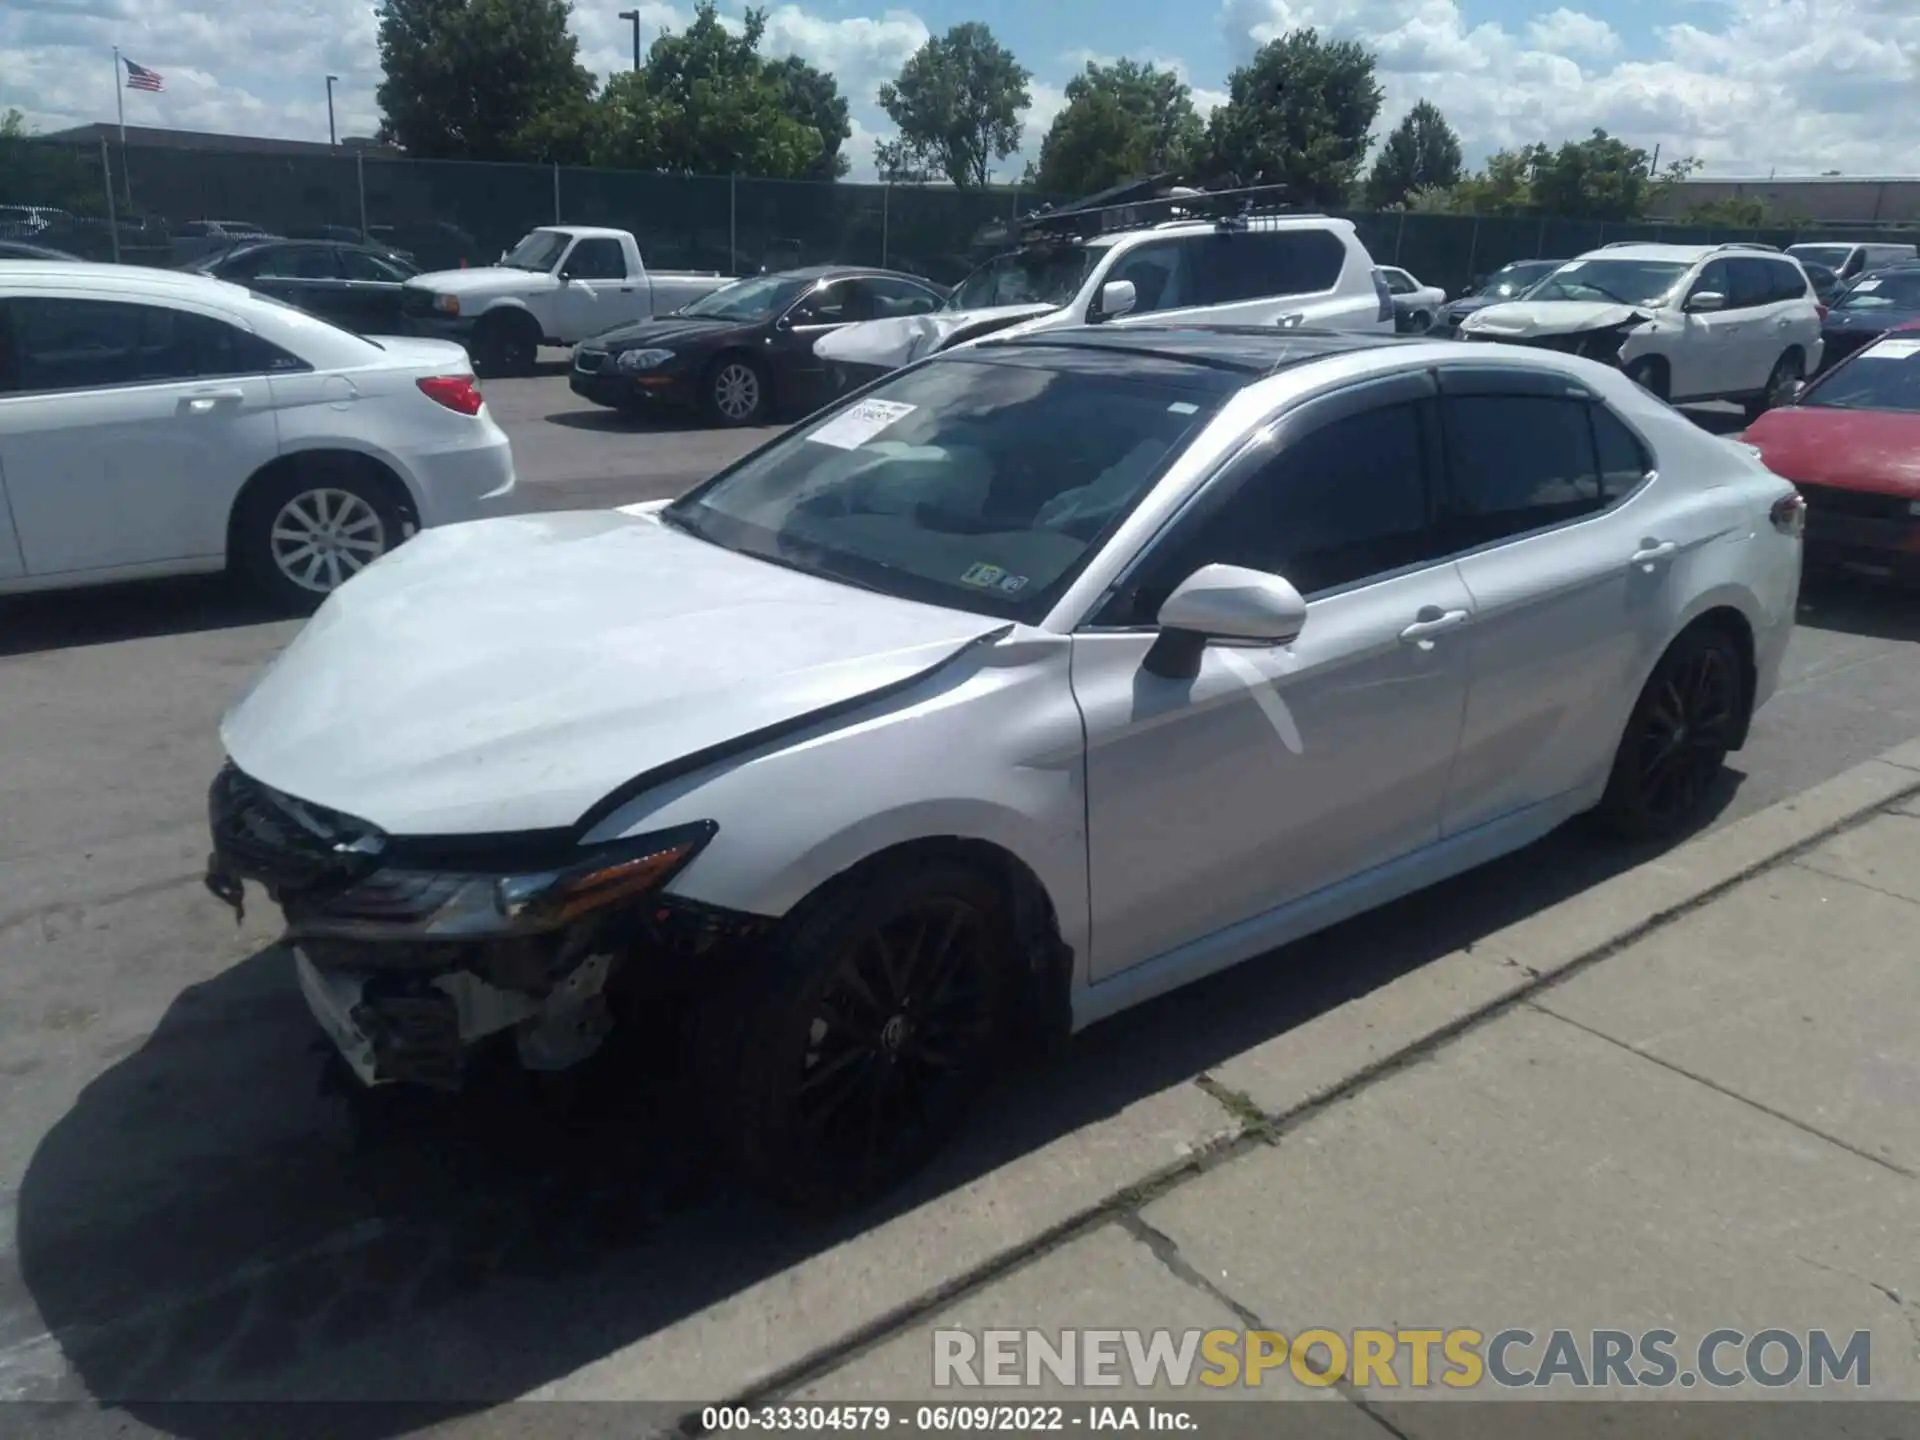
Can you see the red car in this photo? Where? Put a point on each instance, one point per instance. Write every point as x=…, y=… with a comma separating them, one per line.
x=1851, y=443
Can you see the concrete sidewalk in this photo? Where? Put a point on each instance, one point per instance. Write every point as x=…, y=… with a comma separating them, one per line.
x=1684, y=1100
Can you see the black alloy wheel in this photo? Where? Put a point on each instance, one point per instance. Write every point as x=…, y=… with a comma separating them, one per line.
x=1678, y=739
x=883, y=1020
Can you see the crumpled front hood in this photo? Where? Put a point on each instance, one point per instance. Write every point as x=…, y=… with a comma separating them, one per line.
x=484, y=280
x=1524, y=319
x=907, y=338
x=505, y=675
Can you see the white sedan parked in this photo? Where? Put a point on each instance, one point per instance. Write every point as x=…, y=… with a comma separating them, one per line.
x=155, y=423
x=1047, y=675
x=1414, y=305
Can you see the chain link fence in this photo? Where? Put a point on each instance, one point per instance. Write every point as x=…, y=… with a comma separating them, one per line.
x=102, y=204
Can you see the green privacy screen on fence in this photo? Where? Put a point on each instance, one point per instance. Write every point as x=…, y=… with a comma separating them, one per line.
x=450, y=213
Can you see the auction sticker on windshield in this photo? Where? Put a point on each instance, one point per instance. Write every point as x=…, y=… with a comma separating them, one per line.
x=857, y=424
x=1892, y=350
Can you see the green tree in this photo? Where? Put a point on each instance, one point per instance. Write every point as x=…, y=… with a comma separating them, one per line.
x=957, y=102
x=1599, y=178
x=813, y=97
x=1503, y=187
x=708, y=103
x=479, y=79
x=1299, y=115
x=1120, y=121
x=1422, y=153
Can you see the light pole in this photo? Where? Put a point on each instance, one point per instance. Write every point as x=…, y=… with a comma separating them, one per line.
x=634, y=16
x=330, y=135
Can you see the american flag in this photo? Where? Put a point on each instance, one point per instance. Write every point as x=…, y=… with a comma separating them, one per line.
x=141, y=78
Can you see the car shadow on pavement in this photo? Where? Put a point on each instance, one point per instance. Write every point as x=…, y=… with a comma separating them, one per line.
x=68, y=619
x=606, y=421
x=1860, y=605
x=213, y=1221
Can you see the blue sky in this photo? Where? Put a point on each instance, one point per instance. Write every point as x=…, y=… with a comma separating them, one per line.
x=1749, y=86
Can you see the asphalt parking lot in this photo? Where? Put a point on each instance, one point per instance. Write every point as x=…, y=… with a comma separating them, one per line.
x=188, y=1211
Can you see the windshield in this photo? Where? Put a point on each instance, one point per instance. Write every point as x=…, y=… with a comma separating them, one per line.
x=1051, y=275
x=759, y=298
x=977, y=483
x=1832, y=256
x=1625, y=282
x=1884, y=376
x=1889, y=290
x=1513, y=280
x=540, y=250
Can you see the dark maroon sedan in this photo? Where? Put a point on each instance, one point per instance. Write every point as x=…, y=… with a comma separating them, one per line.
x=1851, y=443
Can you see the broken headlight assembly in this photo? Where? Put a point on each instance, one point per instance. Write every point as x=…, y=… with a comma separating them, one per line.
x=404, y=901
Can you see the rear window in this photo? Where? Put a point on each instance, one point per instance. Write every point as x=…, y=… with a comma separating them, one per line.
x=1884, y=376
x=980, y=484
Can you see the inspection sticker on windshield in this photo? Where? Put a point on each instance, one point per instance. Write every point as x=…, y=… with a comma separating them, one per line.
x=1892, y=350
x=1866, y=287
x=853, y=427
x=992, y=577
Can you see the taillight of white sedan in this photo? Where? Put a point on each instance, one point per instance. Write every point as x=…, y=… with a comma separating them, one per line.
x=156, y=423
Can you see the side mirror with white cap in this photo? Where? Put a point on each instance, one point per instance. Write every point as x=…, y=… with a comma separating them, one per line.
x=1117, y=297
x=1223, y=605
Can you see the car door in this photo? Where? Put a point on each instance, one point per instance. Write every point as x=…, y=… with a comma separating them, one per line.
x=1703, y=364
x=597, y=294
x=1276, y=772
x=1568, y=563
x=11, y=565
x=308, y=276
x=129, y=432
x=1793, y=311
x=803, y=377
x=374, y=289
x=1759, y=339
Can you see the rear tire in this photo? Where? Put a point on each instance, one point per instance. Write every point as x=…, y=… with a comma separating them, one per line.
x=301, y=535
x=1780, y=380
x=1677, y=738
x=846, y=1058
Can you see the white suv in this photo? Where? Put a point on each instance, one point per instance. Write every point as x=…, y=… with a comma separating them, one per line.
x=1287, y=270
x=1688, y=322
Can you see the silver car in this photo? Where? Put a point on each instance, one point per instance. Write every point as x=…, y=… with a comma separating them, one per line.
x=1040, y=678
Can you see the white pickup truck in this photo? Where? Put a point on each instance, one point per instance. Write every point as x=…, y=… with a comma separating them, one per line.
x=558, y=286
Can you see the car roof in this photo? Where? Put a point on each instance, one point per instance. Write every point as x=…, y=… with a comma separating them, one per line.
x=1672, y=254
x=822, y=272
x=1246, y=351
x=132, y=280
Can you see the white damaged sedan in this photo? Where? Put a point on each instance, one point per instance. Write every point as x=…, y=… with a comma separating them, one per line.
x=1042, y=677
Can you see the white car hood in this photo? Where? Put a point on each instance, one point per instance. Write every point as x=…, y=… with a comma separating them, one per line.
x=1526, y=318
x=506, y=675
x=485, y=280
x=907, y=338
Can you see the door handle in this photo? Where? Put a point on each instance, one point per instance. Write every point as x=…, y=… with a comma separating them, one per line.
x=1653, y=551
x=203, y=401
x=1421, y=632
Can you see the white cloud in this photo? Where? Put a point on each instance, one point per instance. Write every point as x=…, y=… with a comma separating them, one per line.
x=1748, y=86
x=1563, y=31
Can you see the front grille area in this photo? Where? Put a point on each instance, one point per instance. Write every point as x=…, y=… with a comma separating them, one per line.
x=415, y=302
x=588, y=362
x=287, y=845
x=1855, y=504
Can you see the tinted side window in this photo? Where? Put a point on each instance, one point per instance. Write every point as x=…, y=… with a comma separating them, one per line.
x=1624, y=461
x=888, y=298
x=1756, y=282
x=597, y=260
x=1514, y=464
x=85, y=344
x=301, y=262
x=1789, y=281
x=837, y=304
x=1335, y=506
x=1717, y=278
x=1256, y=265
x=1162, y=274
x=358, y=265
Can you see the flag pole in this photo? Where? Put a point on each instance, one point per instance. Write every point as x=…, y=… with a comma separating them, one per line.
x=120, y=99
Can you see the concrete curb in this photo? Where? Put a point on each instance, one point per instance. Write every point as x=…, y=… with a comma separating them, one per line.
x=1276, y=1085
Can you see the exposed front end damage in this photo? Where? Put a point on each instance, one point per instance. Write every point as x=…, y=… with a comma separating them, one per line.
x=1603, y=341
x=411, y=954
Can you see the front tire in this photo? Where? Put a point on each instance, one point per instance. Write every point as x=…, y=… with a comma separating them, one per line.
x=1677, y=739
x=854, y=1053
x=506, y=345
x=1650, y=375
x=736, y=392
x=302, y=535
